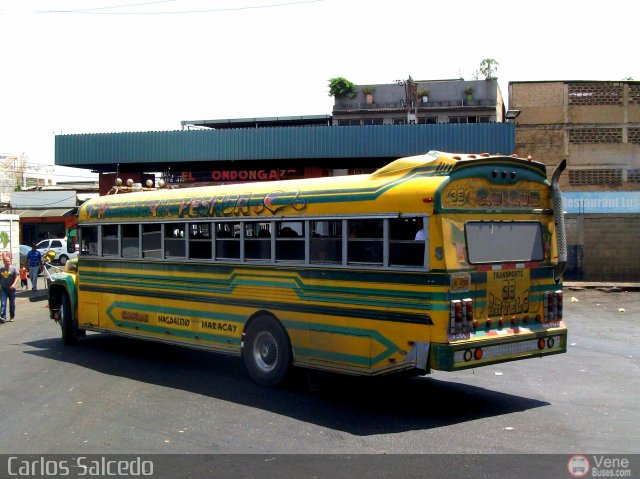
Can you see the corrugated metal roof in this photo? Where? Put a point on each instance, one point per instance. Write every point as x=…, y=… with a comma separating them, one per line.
x=286, y=143
x=41, y=213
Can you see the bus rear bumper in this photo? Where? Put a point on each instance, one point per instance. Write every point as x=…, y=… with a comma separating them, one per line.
x=472, y=354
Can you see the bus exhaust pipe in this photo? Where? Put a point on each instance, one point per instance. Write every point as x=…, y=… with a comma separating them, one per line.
x=558, y=219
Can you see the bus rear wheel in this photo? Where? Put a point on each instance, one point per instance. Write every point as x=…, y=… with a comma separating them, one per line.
x=69, y=333
x=266, y=351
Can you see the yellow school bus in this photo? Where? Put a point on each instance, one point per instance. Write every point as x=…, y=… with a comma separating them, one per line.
x=438, y=261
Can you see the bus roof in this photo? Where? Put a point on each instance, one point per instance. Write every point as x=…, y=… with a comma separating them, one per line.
x=400, y=185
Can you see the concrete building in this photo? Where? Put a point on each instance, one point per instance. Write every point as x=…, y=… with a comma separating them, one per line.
x=421, y=102
x=595, y=125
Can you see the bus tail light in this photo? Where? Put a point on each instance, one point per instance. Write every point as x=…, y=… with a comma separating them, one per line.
x=552, y=301
x=461, y=316
x=468, y=307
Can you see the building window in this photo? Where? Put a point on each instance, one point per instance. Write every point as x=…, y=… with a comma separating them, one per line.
x=372, y=121
x=601, y=93
x=430, y=120
x=595, y=135
x=349, y=122
x=600, y=176
x=633, y=135
x=399, y=121
x=458, y=119
x=634, y=93
x=633, y=176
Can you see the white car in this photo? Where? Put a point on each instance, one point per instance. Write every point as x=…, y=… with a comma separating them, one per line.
x=63, y=251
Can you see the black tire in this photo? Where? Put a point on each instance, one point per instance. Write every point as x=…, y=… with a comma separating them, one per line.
x=69, y=330
x=266, y=351
x=63, y=259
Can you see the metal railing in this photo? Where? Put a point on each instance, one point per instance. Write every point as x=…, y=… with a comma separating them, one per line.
x=403, y=105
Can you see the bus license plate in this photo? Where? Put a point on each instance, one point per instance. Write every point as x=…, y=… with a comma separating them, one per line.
x=508, y=292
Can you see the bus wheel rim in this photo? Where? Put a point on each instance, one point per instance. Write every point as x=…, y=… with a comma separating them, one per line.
x=265, y=351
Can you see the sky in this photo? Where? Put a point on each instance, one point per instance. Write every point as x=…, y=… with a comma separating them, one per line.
x=101, y=66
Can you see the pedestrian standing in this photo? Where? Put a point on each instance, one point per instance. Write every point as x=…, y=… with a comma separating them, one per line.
x=9, y=279
x=34, y=260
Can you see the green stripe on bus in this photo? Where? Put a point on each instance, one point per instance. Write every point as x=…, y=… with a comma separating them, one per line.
x=274, y=305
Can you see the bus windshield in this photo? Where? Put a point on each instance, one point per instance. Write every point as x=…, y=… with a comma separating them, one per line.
x=499, y=241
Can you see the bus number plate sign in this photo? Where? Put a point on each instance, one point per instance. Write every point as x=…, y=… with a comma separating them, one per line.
x=460, y=282
x=508, y=292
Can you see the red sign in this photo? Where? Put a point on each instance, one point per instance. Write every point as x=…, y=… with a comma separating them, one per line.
x=234, y=176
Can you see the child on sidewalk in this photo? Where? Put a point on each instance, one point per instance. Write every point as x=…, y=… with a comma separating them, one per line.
x=24, y=275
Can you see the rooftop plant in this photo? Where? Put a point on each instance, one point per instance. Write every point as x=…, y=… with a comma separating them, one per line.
x=341, y=87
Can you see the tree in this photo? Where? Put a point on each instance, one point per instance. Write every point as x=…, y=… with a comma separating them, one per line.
x=488, y=68
x=341, y=87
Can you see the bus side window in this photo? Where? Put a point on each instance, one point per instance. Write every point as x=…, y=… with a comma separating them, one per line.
x=199, y=241
x=227, y=244
x=110, y=240
x=152, y=241
x=290, y=241
x=174, y=240
x=130, y=241
x=89, y=240
x=326, y=242
x=365, y=241
x=406, y=248
x=257, y=241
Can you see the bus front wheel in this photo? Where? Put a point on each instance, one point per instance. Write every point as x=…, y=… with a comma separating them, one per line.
x=69, y=335
x=266, y=351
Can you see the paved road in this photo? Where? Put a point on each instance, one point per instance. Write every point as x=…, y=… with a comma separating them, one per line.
x=115, y=395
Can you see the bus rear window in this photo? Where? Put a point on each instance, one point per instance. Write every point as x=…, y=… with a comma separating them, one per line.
x=504, y=242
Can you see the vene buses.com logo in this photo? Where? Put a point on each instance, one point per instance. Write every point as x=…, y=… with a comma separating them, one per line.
x=578, y=466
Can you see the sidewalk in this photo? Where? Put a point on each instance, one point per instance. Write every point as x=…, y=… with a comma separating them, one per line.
x=38, y=295
x=609, y=286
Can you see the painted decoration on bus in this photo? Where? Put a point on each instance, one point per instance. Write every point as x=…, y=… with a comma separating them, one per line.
x=229, y=205
x=139, y=316
x=478, y=193
x=455, y=254
x=508, y=292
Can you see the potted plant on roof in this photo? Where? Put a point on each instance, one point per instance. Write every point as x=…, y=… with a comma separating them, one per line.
x=469, y=93
x=423, y=94
x=368, y=93
x=341, y=87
